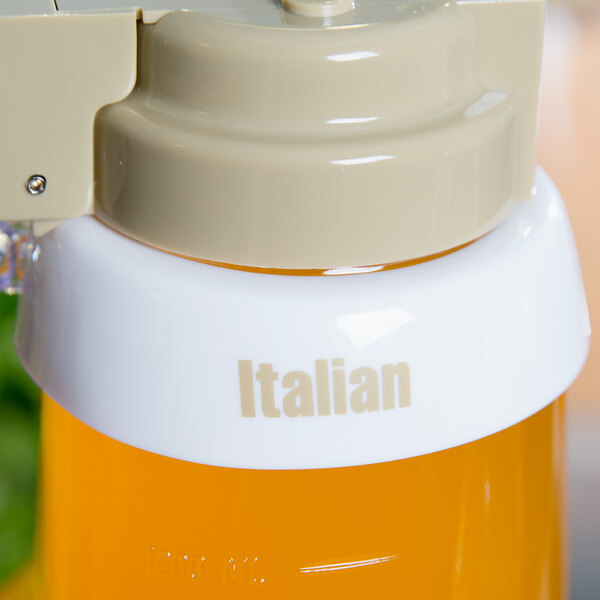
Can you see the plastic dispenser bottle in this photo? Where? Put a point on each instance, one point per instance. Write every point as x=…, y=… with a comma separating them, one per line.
x=301, y=307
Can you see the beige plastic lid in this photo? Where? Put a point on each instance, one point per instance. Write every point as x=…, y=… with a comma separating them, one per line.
x=309, y=134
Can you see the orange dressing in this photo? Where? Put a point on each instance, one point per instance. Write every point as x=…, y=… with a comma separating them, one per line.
x=482, y=520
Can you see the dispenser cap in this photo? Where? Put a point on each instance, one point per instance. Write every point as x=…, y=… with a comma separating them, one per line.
x=306, y=134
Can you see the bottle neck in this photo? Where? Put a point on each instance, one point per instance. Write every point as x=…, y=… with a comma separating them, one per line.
x=334, y=271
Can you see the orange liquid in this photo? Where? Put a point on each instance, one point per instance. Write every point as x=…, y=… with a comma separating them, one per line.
x=331, y=271
x=480, y=521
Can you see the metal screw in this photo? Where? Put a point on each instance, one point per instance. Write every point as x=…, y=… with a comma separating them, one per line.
x=36, y=185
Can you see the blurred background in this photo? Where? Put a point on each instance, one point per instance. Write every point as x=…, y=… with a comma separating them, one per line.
x=569, y=151
x=18, y=449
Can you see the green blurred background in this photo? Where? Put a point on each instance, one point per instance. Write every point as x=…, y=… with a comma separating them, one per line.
x=19, y=419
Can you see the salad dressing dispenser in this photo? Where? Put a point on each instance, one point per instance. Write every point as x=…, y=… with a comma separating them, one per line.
x=302, y=309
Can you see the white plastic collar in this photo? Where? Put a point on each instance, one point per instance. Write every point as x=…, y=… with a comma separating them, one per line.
x=144, y=346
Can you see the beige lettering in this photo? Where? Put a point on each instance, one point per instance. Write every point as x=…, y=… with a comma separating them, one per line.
x=247, y=388
x=390, y=374
x=323, y=400
x=300, y=400
x=366, y=395
x=267, y=377
x=339, y=387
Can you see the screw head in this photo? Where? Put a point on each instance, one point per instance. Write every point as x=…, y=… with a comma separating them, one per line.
x=36, y=185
